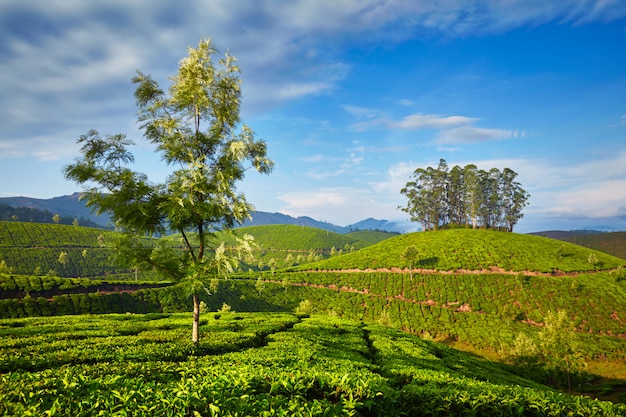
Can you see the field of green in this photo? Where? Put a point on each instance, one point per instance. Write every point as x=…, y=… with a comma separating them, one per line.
x=257, y=364
x=473, y=290
x=35, y=249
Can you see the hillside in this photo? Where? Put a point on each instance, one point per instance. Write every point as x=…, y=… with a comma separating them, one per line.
x=467, y=249
x=35, y=248
x=611, y=242
x=301, y=238
x=284, y=245
x=67, y=206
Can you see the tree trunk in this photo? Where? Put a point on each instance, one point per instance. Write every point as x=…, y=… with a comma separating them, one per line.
x=195, y=332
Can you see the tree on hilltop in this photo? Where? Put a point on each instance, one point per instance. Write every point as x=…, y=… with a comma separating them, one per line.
x=464, y=197
x=196, y=128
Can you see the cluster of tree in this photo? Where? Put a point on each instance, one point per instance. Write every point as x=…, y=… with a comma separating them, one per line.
x=464, y=197
x=28, y=214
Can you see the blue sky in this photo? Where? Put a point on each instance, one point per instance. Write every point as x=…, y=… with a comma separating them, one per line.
x=351, y=96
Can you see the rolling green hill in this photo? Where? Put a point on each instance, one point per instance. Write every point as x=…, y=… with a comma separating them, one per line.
x=35, y=249
x=285, y=245
x=467, y=249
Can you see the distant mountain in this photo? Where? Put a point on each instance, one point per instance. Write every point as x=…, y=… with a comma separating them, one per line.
x=262, y=218
x=71, y=206
x=384, y=225
x=66, y=206
x=565, y=235
x=613, y=243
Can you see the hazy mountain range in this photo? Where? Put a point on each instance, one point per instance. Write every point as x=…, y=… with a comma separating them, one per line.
x=70, y=205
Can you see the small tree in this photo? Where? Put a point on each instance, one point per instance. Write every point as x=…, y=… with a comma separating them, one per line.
x=592, y=259
x=196, y=128
x=260, y=285
x=410, y=255
x=63, y=258
x=559, y=346
x=56, y=218
x=4, y=268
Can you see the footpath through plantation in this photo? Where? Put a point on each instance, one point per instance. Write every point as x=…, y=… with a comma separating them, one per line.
x=265, y=364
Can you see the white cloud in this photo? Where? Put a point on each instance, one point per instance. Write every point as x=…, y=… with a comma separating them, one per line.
x=339, y=165
x=406, y=102
x=395, y=179
x=414, y=121
x=470, y=134
x=293, y=91
x=452, y=129
x=431, y=121
x=362, y=112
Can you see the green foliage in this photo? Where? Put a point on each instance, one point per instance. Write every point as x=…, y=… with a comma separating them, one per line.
x=255, y=364
x=560, y=346
x=305, y=308
x=464, y=197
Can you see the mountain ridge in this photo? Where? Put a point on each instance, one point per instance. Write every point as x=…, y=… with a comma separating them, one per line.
x=71, y=205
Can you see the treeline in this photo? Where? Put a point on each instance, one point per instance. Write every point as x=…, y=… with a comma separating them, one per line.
x=464, y=197
x=28, y=214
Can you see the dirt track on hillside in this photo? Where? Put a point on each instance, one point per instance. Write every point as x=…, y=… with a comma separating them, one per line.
x=492, y=270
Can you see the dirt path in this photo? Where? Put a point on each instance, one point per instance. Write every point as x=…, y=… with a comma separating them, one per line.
x=492, y=270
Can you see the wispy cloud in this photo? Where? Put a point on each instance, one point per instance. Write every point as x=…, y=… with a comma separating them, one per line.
x=431, y=121
x=363, y=112
x=471, y=134
x=452, y=129
x=414, y=121
x=327, y=166
x=406, y=102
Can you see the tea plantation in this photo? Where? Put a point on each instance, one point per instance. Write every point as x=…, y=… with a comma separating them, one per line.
x=379, y=339
x=255, y=364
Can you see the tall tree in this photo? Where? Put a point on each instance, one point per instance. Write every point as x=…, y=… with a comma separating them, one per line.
x=443, y=197
x=197, y=130
x=514, y=198
x=472, y=193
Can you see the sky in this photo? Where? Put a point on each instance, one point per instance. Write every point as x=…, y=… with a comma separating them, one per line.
x=350, y=96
